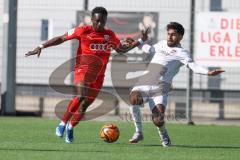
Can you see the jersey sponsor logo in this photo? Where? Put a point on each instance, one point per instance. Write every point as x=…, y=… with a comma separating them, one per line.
x=164, y=52
x=71, y=31
x=101, y=46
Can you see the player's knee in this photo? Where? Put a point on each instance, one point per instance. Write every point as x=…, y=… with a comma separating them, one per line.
x=158, y=120
x=136, y=98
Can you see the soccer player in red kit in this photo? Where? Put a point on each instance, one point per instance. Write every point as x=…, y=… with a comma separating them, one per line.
x=95, y=45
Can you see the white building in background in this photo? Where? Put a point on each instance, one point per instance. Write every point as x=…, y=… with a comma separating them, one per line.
x=57, y=16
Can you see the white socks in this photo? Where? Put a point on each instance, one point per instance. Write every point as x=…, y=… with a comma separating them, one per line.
x=137, y=117
x=69, y=126
x=62, y=123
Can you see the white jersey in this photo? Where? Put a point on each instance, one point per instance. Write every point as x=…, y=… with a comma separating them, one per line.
x=171, y=59
x=165, y=64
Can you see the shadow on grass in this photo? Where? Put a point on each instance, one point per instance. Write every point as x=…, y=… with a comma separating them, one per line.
x=47, y=150
x=207, y=146
x=193, y=146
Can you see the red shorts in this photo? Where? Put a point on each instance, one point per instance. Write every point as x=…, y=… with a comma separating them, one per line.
x=93, y=81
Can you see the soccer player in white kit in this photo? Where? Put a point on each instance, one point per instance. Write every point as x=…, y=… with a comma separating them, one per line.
x=168, y=57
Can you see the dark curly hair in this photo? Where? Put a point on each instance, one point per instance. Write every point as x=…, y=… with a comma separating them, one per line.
x=177, y=26
x=101, y=10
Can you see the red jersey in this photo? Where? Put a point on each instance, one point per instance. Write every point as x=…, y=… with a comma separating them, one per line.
x=94, y=48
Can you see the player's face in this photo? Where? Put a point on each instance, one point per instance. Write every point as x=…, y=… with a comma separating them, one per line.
x=173, y=37
x=98, y=22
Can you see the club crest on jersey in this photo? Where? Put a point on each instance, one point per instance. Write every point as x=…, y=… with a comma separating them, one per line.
x=106, y=37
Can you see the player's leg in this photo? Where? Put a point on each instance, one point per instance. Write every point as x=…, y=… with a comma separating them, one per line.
x=73, y=104
x=136, y=101
x=88, y=93
x=158, y=106
x=76, y=115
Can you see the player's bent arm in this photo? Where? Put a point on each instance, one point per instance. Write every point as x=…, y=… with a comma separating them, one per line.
x=130, y=43
x=125, y=47
x=140, y=44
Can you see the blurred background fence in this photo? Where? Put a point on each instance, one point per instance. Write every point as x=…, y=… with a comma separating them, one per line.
x=37, y=21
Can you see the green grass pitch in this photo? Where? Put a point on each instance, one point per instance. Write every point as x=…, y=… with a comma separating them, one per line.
x=34, y=138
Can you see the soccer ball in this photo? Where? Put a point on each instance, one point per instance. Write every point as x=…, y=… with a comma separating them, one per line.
x=109, y=133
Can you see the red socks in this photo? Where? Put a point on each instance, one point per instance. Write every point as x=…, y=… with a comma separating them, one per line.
x=71, y=109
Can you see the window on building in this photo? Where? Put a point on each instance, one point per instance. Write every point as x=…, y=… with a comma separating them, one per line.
x=44, y=29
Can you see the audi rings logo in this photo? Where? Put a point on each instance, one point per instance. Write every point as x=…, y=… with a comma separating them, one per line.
x=101, y=46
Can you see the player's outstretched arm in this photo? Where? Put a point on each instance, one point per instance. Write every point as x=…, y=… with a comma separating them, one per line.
x=52, y=42
x=215, y=72
x=130, y=43
x=202, y=70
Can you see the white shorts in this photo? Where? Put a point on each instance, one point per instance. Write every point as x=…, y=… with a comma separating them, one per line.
x=154, y=95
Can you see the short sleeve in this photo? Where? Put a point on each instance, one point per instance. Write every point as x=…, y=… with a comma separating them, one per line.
x=74, y=33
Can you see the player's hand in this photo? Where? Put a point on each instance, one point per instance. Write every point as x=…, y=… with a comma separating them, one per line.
x=36, y=51
x=215, y=72
x=145, y=34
